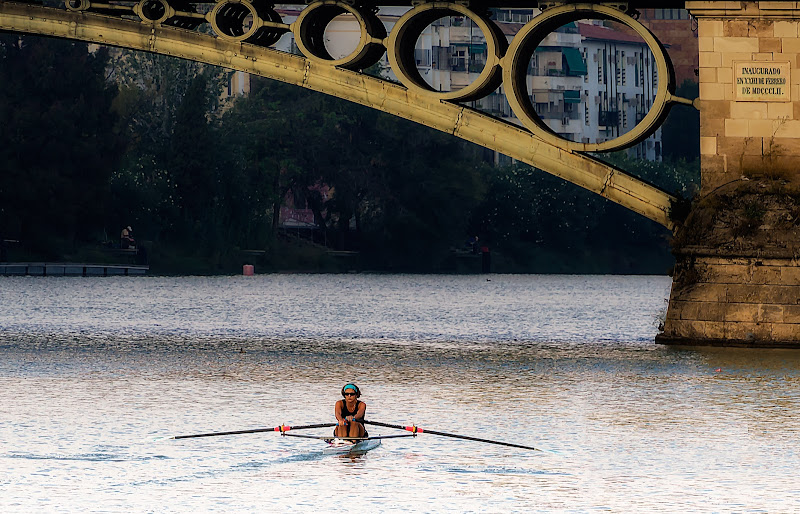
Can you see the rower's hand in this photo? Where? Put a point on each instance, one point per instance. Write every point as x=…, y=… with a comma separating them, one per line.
x=349, y=418
x=342, y=422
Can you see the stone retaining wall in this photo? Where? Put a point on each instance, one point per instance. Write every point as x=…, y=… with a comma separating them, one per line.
x=735, y=301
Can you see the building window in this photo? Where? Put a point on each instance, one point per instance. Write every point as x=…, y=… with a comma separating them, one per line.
x=605, y=67
x=670, y=14
x=599, y=56
x=584, y=54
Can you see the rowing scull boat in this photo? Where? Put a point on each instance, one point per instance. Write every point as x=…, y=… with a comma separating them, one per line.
x=345, y=447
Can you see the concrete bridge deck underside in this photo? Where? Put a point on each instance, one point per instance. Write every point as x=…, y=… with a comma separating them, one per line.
x=464, y=122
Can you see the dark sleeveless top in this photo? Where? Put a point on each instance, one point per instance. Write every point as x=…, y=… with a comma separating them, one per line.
x=344, y=413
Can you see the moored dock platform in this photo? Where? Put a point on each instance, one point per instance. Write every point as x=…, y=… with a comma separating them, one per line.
x=70, y=269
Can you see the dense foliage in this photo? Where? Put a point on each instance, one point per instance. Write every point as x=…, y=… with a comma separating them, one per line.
x=200, y=181
x=59, y=146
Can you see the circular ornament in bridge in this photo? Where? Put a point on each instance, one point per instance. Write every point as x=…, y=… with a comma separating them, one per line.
x=520, y=53
x=155, y=11
x=77, y=5
x=410, y=27
x=249, y=21
x=309, y=34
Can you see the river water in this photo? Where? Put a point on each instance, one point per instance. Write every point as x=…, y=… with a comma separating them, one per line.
x=95, y=372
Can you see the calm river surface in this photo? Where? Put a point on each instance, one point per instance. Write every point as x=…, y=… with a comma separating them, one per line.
x=94, y=370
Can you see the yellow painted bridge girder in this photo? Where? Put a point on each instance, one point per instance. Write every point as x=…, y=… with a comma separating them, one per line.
x=464, y=122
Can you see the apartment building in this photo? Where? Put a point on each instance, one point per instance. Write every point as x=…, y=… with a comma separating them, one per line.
x=588, y=81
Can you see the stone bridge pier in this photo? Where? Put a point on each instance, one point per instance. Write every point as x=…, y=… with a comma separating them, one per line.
x=737, y=276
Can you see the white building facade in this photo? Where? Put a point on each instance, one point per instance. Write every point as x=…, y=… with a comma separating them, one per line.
x=587, y=82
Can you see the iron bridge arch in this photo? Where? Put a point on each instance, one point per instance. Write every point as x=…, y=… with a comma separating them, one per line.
x=244, y=30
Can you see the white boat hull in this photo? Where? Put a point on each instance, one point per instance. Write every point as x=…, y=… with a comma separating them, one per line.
x=343, y=447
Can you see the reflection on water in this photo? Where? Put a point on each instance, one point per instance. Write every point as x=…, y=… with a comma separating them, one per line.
x=95, y=370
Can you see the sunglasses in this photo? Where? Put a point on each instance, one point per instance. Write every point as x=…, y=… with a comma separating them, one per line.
x=349, y=394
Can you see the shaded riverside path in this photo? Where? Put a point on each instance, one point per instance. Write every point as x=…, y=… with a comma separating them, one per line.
x=93, y=369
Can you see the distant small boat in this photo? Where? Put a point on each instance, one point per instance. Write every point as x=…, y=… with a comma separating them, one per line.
x=338, y=446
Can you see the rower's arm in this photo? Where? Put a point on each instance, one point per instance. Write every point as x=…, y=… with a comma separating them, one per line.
x=362, y=409
x=337, y=411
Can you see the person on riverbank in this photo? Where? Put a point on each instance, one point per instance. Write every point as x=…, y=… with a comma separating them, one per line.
x=126, y=238
x=350, y=413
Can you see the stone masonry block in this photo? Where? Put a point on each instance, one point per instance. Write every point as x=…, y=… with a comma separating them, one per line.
x=702, y=311
x=711, y=311
x=692, y=330
x=786, y=295
x=769, y=275
x=734, y=128
x=710, y=60
x=761, y=29
x=729, y=274
x=791, y=314
x=736, y=44
x=744, y=293
x=764, y=5
x=786, y=147
x=703, y=293
x=761, y=128
x=714, y=126
x=748, y=331
x=736, y=147
x=786, y=332
x=787, y=29
x=752, y=163
x=762, y=56
x=708, y=145
x=714, y=91
x=790, y=275
x=689, y=310
x=790, y=45
x=725, y=75
x=733, y=29
x=776, y=110
x=705, y=44
x=741, y=312
x=788, y=129
x=727, y=58
x=711, y=28
x=749, y=110
x=770, y=44
x=713, y=169
x=675, y=309
x=770, y=313
x=708, y=75
x=714, y=329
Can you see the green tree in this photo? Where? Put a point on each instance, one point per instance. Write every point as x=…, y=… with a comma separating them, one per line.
x=59, y=142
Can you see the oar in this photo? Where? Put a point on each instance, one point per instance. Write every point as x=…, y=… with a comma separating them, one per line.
x=329, y=438
x=418, y=430
x=281, y=428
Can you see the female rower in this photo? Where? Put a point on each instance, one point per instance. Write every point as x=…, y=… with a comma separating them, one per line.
x=350, y=413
